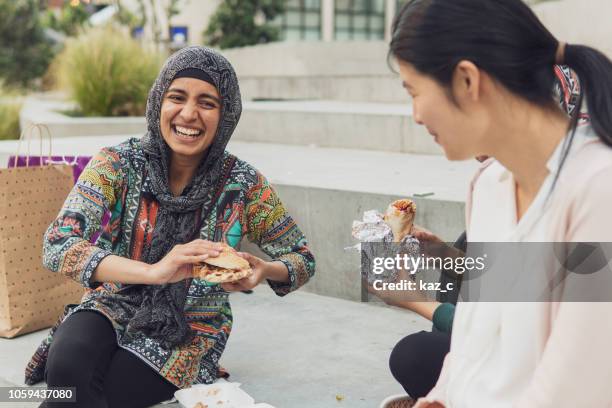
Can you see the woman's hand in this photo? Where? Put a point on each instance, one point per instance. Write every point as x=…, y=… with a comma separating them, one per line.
x=411, y=299
x=177, y=264
x=261, y=270
x=433, y=245
x=424, y=235
x=259, y=267
x=406, y=299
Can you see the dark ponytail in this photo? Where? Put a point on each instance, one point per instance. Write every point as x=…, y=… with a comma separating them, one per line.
x=507, y=40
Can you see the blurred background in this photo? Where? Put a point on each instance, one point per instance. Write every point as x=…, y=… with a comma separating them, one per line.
x=90, y=49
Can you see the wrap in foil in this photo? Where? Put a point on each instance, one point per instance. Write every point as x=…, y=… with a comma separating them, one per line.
x=374, y=229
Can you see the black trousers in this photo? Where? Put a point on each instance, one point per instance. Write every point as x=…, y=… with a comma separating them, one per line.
x=416, y=361
x=84, y=354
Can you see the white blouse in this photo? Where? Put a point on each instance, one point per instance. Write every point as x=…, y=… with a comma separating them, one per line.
x=535, y=354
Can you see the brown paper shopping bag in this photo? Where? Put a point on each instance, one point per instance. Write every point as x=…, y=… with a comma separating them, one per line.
x=31, y=297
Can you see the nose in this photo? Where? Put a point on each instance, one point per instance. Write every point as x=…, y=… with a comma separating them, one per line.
x=189, y=112
x=416, y=115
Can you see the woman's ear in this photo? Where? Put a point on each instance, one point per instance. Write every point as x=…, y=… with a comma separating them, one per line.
x=467, y=82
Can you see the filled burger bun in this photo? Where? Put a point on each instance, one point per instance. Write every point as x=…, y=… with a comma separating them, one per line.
x=400, y=217
x=227, y=267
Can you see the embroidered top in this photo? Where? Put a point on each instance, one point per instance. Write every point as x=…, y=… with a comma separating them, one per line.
x=114, y=181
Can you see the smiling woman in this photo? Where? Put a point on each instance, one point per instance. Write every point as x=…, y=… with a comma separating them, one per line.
x=190, y=114
x=146, y=323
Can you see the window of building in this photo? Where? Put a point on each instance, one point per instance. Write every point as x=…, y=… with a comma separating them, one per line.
x=301, y=20
x=179, y=36
x=360, y=19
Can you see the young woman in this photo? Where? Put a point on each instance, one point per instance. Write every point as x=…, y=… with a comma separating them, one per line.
x=418, y=372
x=145, y=328
x=480, y=73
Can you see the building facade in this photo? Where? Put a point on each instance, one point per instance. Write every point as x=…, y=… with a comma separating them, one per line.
x=337, y=20
x=303, y=20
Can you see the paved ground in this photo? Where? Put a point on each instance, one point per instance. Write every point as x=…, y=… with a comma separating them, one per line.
x=300, y=351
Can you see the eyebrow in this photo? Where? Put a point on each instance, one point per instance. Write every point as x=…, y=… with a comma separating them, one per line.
x=202, y=95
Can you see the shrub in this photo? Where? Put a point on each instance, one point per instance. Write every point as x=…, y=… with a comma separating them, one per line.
x=107, y=73
x=25, y=52
x=10, y=105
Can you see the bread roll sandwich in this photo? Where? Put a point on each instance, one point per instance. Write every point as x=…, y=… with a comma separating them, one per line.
x=227, y=267
x=400, y=217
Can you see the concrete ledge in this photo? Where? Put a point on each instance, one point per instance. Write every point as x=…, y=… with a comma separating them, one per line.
x=350, y=125
x=370, y=88
x=45, y=109
x=326, y=189
x=311, y=59
x=326, y=217
x=342, y=70
x=372, y=126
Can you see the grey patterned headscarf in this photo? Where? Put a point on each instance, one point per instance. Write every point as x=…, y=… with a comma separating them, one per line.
x=157, y=310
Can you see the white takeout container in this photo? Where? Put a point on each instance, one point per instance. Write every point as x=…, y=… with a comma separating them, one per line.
x=217, y=395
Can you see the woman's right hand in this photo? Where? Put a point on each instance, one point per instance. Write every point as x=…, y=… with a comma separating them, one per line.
x=177, y=264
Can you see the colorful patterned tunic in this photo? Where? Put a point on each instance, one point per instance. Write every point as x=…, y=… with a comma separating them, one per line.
x=115, y=181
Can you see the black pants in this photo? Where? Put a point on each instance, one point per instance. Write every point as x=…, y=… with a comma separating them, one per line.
x=416, y=361
x=84, y=354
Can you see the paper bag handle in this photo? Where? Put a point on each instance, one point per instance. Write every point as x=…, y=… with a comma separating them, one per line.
x=29, y=130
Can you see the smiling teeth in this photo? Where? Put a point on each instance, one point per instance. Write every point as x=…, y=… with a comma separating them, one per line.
x=187, y=131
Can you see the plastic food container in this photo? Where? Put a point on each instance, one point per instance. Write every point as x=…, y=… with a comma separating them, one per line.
x=217, y=395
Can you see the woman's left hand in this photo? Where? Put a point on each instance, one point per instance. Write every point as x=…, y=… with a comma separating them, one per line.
x=259, y=267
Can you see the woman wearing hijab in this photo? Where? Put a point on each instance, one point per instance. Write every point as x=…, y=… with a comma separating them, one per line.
x=481, y=77
x=145, y=328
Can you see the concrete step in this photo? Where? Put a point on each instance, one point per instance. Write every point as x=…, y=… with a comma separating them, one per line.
x=352, y=125
x=370, y=88
x=326, y=189
x=337, y=70
x=51, y=110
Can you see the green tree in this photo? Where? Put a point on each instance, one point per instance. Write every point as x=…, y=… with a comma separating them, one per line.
x=70, y=19
x=238, y=23
x=25, y=52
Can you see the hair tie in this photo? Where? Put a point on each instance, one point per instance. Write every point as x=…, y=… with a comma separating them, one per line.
x=560, y=53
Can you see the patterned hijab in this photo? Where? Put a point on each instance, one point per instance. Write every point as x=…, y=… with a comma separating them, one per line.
x=157, y=310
